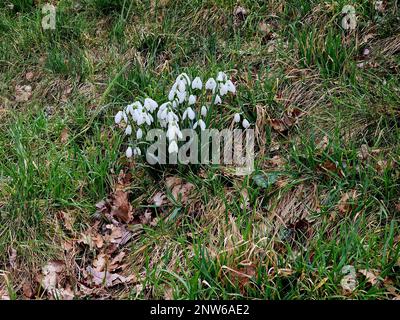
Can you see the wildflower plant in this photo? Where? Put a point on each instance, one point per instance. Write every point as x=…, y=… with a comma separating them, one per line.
x=190, y=104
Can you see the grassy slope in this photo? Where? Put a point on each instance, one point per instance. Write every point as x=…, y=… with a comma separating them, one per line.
x=103, y=54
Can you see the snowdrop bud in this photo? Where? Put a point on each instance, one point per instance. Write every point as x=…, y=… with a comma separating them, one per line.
x=245, y=123
x=118, y=117
x=203, y=111
x=173, y=147
x=211, y=84
x=192, y=100
x=230, y=86
x=223, y=90
x=236, y=118
x=197, y=84
x=137, y=151
x=129, y=109
x=221, y=76
x=128, y=152
x=172, y=92
x=139, y=134
x=128, y=130
x=217, y=100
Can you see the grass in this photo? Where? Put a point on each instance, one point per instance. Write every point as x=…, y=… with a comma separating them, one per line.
x=277, y=234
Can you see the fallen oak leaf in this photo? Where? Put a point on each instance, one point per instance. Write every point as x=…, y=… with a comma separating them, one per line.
x=347, y=201
x=180, y=190
x=108, y=279
x=372, y=276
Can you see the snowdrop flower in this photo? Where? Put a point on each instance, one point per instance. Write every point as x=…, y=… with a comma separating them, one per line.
x=125, y=116
x=211, y=84
x=139, y=134
x=128, y=152
x=230, y=86
x=197, y=84
x=182, y=85
x=171, y=116
x=150, y=104
x=221, y=76
x=118, y=117
x=204, y=111
x=192, y=100
x=189, y=113
x=245, y=123
x=173, y=147
x=181, y=96
x=236, y=118
x=137, y=151
x=128, y=130
x=223, y=90
x=129, y=109
x=218, y=100
x=172, y=92
x=201, y=124
x=173, y=131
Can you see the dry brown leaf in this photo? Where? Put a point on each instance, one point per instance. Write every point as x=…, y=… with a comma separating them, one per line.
x=12, y=257
x=119, y=234
x=29, y=76
x=347, y=201
x=27, y=290
x=179, y=189
x=371, y=275
x=68, y=220
x=51, y=274
x=289, y=119
x=321, y=146
x=23, y=93
x=64, y=135
x=108, y=279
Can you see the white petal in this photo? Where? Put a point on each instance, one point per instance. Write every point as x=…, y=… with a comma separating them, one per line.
x=128, y=152
x=223, y=90
x=197, y=84
x=139, y=134
x=185, y=113
x=118, y=117
x=218, y=100
x=173, y=147
x=137, y=151
x=202, y=125
x=191, y=113
x=128, y=130
x=203, y=111
x=245, y=123
x=211, y=84
x=231, y=87
x=192, y=100
x=221, y=76
x=236, y=118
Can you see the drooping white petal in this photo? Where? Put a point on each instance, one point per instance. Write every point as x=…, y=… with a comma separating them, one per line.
x=150, y=104
x=139, y=134
x=173, y=147
x=128, y=152
x=197, y=84
x=211, y=84
x=223, y=90
x=231, y=87
x=137, y=151
x=184, y=115
x=192, y=100
x=181, y=96
x=221, y=76
x=202, y=125
x=124, y=115
x=217, y=100
x=191, y=113
x=118, y=117
x=245, y=123
x=128, y=130
x=236, y=118
x=204, y=111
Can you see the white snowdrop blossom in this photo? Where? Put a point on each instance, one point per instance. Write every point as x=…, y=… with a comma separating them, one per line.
x=230, y=86
x=118, y=117
x=201, y=124
x=223, y=90
x=211, y=84
x=204, y=111
x=173, y=147
x=189, y=113
x=128, y=152
x=188, y=103
x=245, y=123
x=128, y=130
x=197, y=84
x=192, y=100
x=139, y=134
x=218, y=100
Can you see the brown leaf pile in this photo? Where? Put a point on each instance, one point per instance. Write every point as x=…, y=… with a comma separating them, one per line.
x=289, y=119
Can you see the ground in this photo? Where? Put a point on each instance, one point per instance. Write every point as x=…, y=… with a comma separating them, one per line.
x=319, y=217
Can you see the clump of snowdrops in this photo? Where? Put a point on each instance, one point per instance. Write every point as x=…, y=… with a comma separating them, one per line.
x=190, y=104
